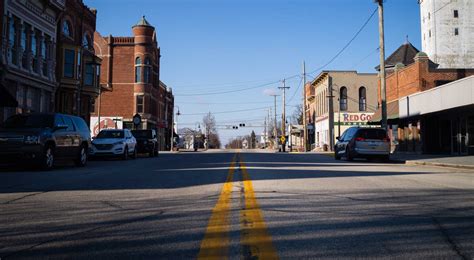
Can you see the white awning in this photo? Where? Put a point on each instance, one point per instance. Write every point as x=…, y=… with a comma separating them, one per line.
x=455, y=94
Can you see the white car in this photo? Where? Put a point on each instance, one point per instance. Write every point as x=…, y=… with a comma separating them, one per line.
x=114, y=142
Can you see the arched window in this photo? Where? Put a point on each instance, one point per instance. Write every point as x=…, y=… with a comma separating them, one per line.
x=362, y=99
x=86, y=41
x=67, y=28
x=147, y=71
x=343, y=99
x=138, y=69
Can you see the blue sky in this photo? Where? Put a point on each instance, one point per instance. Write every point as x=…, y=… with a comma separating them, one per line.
x=210, y=46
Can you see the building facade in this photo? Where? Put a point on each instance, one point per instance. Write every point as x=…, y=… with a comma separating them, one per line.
x=28, y=54
x=411, y=133
x=447, y=32
x=130, y=81
x=77, y=64
x=342, y=99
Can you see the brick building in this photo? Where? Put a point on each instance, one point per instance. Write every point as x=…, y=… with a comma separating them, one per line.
x=130, y=80
x=28, y=55
x=342, y=99
x=412, y=134
x=77, y=64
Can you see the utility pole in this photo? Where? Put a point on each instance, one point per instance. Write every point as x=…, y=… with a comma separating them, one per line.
x=305, y=126
x=382, y=65
x=275, y=113
x=269, y=118
x=283, y=121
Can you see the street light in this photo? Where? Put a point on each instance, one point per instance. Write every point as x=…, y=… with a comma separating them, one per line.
x=172, y=127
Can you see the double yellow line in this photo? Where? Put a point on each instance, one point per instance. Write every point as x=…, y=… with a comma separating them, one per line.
x=256, y=242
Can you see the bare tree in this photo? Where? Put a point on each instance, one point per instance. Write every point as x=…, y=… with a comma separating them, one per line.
x=213, y=140
x=297, y=116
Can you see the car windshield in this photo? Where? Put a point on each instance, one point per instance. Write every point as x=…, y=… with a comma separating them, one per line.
x=141, y=133
x=378, y=134
x=110, y=134
x=29, y=121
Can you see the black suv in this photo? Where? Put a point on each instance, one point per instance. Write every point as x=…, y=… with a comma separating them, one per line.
x=45, y=137
x=147, y=141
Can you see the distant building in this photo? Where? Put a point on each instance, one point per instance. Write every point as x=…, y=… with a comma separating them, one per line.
x=77, y=66
x=28, y=55
x=310, y=111
x=342, y=99
x=447, y=32
x=130, y=81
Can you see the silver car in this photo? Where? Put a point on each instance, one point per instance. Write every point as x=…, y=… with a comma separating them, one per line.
x=114, y=142
x=363, y=142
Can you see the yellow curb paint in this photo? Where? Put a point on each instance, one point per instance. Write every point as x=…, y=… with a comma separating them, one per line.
x=215, y=244
x=255, y=239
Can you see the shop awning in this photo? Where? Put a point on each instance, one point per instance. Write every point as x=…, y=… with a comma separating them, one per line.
x=6, y=99
x=392, y=113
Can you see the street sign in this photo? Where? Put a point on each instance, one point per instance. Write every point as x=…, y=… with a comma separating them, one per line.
x=282, y=139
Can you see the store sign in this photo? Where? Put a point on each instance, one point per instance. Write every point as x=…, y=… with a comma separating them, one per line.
x=105, y=123
x=353, y=117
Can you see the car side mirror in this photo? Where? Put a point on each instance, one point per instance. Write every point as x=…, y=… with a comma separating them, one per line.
x=60, y=127
x=338, y=138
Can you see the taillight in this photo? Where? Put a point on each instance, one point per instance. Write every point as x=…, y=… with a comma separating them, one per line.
x=359, y=139
x=386, y=139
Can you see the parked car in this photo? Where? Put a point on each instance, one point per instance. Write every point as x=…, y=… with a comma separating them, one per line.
x=44, y=138
x=363, y=142
x=147, y=141
x=114, y=142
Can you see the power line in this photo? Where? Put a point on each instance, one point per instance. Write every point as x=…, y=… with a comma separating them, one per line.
x=225, y=112
x=347, y=45
x=226, y=92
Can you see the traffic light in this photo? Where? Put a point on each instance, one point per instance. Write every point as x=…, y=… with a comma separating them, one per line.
x=242, y=125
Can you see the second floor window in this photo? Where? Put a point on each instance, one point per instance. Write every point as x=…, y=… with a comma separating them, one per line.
x=343, y=99
x=138, y=70
x=362, y=99
x=69, y=56
x=89, y=77
x=147, y=71
x=12, y=41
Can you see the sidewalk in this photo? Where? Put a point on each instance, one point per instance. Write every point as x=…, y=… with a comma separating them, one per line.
x=466, y=162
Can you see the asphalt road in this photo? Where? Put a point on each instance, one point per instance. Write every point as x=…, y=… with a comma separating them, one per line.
x=252, y=205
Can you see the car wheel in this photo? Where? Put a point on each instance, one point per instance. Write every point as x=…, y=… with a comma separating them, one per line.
x=348, y=155
x=125, y=153
x=336, y=157
x=386, y=158
x=47, y=160
x=81, y=159
x=134, y=155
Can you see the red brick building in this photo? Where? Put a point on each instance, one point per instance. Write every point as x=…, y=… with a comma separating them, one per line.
x=418, y=133
x=77, y=64
x=130, y=81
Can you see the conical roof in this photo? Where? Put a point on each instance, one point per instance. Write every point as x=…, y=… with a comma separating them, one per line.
x=142, y=22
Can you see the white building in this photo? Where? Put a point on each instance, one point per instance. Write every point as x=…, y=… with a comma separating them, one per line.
x=447, y=32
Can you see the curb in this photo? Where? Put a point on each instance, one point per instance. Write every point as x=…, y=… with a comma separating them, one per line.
x=451, y=165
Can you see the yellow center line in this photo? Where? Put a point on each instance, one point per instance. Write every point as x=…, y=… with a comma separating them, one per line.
x=255, y=238
x=215, y=244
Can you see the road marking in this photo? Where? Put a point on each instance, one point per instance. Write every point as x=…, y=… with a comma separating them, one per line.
x=215, y=244
x=255, y=239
